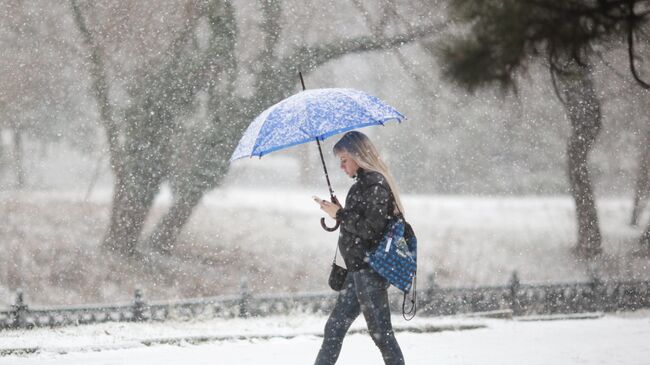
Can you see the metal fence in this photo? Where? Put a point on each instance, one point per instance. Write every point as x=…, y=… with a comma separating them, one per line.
x=593, y=296
x=514, y=298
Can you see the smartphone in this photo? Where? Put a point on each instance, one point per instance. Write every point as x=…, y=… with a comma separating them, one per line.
x=317, y=199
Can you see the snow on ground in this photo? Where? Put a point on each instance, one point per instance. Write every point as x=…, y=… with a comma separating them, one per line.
x=463, y=240
x=273, y=239
x=612, y=339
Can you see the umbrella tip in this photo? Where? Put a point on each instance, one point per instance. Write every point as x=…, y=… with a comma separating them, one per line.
x=302, y=81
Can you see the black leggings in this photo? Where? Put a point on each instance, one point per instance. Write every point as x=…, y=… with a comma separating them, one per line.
x=365, y=291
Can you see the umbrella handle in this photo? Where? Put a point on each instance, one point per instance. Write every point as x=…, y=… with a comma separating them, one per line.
x=328, y=229
x=338, y=222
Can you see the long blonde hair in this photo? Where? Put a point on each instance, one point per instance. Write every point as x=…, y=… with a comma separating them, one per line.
x=364, y=153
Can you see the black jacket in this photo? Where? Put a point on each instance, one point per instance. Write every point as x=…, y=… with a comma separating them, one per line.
x=368, y=208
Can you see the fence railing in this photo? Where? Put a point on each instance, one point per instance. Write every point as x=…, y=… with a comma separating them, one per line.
x=518, y=298
x=593, y=296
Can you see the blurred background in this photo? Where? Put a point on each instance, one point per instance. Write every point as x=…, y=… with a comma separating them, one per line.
x=118, y=119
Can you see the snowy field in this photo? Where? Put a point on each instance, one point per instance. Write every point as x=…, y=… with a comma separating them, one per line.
x=611, y=339
x=272, y=239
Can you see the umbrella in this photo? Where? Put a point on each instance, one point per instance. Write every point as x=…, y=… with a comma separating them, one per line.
x=313, y=115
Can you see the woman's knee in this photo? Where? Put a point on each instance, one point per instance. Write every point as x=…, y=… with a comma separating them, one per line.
x=336, y=327
x=383, y=338
x=330, y=327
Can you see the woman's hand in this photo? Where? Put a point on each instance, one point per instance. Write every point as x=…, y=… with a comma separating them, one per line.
x=329, y=208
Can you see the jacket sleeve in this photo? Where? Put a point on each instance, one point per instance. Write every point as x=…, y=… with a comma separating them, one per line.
x=369, y=219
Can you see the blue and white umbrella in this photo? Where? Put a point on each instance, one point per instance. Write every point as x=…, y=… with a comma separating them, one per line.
x=313, y=115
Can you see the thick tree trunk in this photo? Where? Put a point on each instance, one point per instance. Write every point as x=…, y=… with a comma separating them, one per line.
x=142, y=173
x=164, y=236
x=131, y=203
x=589, y=237
x=583, y=109
x=642, y=188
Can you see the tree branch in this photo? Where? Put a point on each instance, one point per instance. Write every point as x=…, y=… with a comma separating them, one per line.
x=630, y=47
x=553, y=69
x=308, y=58
x=604, y=9
x=100, y=88
x=266, y=78
x=616, y=72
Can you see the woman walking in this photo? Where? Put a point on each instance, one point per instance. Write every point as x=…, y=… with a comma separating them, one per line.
x=372, y=200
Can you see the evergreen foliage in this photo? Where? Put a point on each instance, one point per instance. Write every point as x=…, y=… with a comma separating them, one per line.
x=501, y=37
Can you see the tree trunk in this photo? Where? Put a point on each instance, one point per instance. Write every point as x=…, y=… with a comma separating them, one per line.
x=644, y=241
x=583, y=110
x=3, y=159
x=642, y=180
x=306, y=165
x=642, y=192
x=127, y=217
x=18, y=163
x=165, y=234
x=589, y=237
x=131, y=203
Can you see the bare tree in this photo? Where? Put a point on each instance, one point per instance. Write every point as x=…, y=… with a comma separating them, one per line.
x=275, y=78
x=151, y=145
x=505, y=36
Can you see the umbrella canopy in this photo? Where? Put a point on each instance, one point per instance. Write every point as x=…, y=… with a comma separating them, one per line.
x=312, y=115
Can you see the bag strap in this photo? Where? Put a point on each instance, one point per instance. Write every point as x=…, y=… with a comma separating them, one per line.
x=336, y=251
x=414, y=299
x=411, y=312
x=395, y=205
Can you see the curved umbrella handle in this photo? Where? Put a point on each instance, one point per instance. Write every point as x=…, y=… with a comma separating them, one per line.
x=328, y=229
x=338, y=222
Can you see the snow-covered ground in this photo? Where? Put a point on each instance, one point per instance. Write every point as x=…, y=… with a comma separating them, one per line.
x=273, y=239
x=463, y=240
x=610, y=339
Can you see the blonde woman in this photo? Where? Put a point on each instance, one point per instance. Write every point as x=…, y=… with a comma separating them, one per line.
x=371, y=201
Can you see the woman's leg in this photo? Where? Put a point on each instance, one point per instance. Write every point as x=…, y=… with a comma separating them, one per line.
x=372, y=293
x=345, y=311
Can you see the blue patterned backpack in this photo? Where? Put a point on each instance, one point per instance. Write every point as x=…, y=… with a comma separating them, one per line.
x=395, y=258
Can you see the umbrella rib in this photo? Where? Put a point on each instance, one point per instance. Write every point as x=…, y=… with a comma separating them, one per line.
x=361, y=107
x=307, y=133
x=398, y=116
